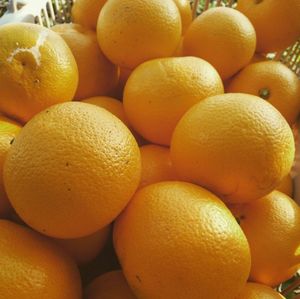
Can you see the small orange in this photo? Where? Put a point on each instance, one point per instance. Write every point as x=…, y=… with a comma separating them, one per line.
x=176, y=240
x=97, y=75
x=224, y=37
x=133, y=31
x=156, y=165
x=236, y=145
x=272, y=81
x=111, y=285
x=286, y=186
x=272, y=227
x=33, y=267
x=185, y=10
x=37, y=70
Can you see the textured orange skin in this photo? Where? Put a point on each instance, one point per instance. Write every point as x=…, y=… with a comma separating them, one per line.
x=277, y=23
x=112, y=105
x=97, y=75
x=72, y=170
x=272, y=227
x=133, y=31
x=111, y=285
x=176, y=240
x=185, y=11
x=86, y=12
x=282, y=83
x=33, y=267
x=29, y=85
x=156, y=165
x=160, y=91
x=8, y=131
x=258, y=291
x=286, y=186
x=236, y=145
x=84, y=250
x=222, y=36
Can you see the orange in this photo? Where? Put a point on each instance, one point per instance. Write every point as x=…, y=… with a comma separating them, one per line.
x=222, y=36
x=272, y=81
x=84, y=250
x=272, y=227
x=286, y=186
x=37, y=70
x=97, y=75
x=133, y=31
x=111, y=285
x=176, y=240
x=277, y=23
x=33, y=267
x=123, y=77
x=258, y=291
x=185, y=10
x=112, y=105
x=160, y=91
x=236, y=145
x=86, y=12
x=72, y=170
x=8, y=131
x=156, y=165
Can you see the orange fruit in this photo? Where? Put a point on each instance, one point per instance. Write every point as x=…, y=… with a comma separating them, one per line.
x=160, y=91
x=272, y=227
x=222, y=36
x=185, y=10
x=37, y=70
x=72, y=170
x=286, y=186
x=170, y=241
x=236, y=145
x=111, y=285
x=8, y=131
x=277, y=23
x=97, y=75
x=258, y=291
x=123, y=77
x=84, y=250
x=156, y=165
x=112, y=105
x=33, y=267
x=86, y=12
x=272, y=81
x=133, y=31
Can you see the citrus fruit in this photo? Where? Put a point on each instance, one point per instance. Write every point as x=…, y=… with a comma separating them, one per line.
x=71, y=170
x=286, y=186
x=37, y=70
x=272, y=81
x=185, y=11
x=112, y=105
x=86, y=12
x=258, y=291
x=277, y=23
x=160, y=91
x=111, y=285
x=8, y=131
x=272, y=227
x=33, y=267
x=156, y=165
x=133, y=31
x=97, y=75
x=171, y=242
x=84, y=250
x=236, y=145
x=222, y=36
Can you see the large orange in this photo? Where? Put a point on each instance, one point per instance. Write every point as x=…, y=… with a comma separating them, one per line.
x=277, y=23
x=133, y=31
x=272, y=227
x=33, y=267
x=97, y=75
x=160, y=91
x=37, y=70
x=272, y=81
x=237, y=145
x=176, y=240
x=72, y=170
x=222, y=36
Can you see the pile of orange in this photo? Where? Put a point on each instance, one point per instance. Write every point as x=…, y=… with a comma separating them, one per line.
x=147, y=154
